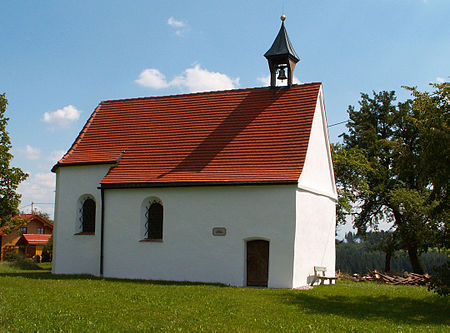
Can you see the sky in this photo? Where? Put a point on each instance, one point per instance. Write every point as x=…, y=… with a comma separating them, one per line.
x=60, y=59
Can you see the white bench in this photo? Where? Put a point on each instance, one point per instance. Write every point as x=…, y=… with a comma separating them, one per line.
x=322, y=278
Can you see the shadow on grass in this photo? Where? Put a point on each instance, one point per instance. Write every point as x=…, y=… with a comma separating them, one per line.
x=45, y=274
x=432, y=310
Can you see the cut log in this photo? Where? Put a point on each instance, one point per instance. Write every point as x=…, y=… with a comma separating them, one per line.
x=405, y=278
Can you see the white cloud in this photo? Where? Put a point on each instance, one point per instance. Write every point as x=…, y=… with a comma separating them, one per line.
x=265, y=80
x=46, y=180
x=31, y=153
x=197, y=79
x=152, y=78
x=56, y=155
x=179, y=26
x=40, y=188
x=440, y=79
x=62, y=117
x=175, y=23
x=193, y=79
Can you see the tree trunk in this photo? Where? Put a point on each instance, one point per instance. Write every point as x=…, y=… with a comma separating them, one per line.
x=414, y=258
x=406, y=238
x=387, y=262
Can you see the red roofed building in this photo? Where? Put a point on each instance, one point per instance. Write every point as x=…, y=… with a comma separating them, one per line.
x=34, y=228
x=33, y=239
x=231, y=186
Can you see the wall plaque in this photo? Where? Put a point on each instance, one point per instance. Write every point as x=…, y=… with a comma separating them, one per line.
x=219, y=231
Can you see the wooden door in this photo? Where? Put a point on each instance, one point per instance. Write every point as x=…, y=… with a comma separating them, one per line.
x=31, y=251
x=257, y=263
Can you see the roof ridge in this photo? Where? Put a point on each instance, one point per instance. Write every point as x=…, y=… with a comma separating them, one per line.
x=209, y=92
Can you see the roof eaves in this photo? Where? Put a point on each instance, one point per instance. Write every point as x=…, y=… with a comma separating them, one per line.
x=57, y=165
x=196, y=183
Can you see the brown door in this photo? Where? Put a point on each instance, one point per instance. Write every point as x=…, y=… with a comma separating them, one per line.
x=31, y=251
x=257, y=263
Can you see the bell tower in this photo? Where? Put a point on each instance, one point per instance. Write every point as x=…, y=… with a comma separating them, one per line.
x=281, y=57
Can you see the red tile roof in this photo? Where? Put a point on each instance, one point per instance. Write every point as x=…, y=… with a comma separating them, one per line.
x=35, y=239
x=245, y=135
x=38, y=218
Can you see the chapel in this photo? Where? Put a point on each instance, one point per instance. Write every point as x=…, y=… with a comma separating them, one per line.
x=235, y=186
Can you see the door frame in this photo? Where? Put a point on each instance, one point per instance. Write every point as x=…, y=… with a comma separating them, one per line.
x=249, y=239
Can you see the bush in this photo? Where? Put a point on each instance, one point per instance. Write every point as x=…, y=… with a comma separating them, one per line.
x=47, y=252
x=12, y=255
x=440, y=282
x=45, y=255
x=26, y=263
x=19, y=261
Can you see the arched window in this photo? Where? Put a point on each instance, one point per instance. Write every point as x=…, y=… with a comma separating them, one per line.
x=154, y=221
x=88, y=215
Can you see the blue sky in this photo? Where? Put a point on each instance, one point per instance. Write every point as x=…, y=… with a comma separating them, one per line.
x=59, y=59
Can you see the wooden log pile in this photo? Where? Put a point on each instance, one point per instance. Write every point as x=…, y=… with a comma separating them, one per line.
x=391, y=278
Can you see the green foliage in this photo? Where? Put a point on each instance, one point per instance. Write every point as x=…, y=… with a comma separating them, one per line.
x=440, y=282
x=45, y=216
x=10, y=177
x=47, y=251
x=352, y=167
x=383, y=241
x=19, y=261
x=352, y=238
x=11, y=255
x=13, y=223
x=394, y=165
x=40, y=301
x=363, y=255
x=431, y=121
x=386, y=242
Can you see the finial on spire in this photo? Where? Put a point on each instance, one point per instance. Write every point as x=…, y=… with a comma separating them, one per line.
x=283, y=17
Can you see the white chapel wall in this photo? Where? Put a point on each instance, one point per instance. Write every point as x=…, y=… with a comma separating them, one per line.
x=316, y=205
x=317, y=173
x=314, y=236
x=189, y=251
x=76, y=254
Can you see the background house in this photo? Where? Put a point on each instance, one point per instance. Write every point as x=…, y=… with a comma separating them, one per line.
x=28, y=239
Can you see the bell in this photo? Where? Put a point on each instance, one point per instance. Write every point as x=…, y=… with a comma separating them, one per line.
x=281, y=74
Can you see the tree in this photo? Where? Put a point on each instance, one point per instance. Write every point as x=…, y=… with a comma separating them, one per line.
x=45, y=216
x=351, y=238
x=47, y=251
x=393, y=165
x=430, y=119
x=386, y=242
x=10, y=177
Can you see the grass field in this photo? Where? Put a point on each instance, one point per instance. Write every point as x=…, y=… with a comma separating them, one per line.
x=36, y=300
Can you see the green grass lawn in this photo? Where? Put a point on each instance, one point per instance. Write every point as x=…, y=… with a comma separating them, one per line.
x=36, y=300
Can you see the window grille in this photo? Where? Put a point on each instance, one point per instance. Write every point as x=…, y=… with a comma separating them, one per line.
x=88, y=215
x=154, y=220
